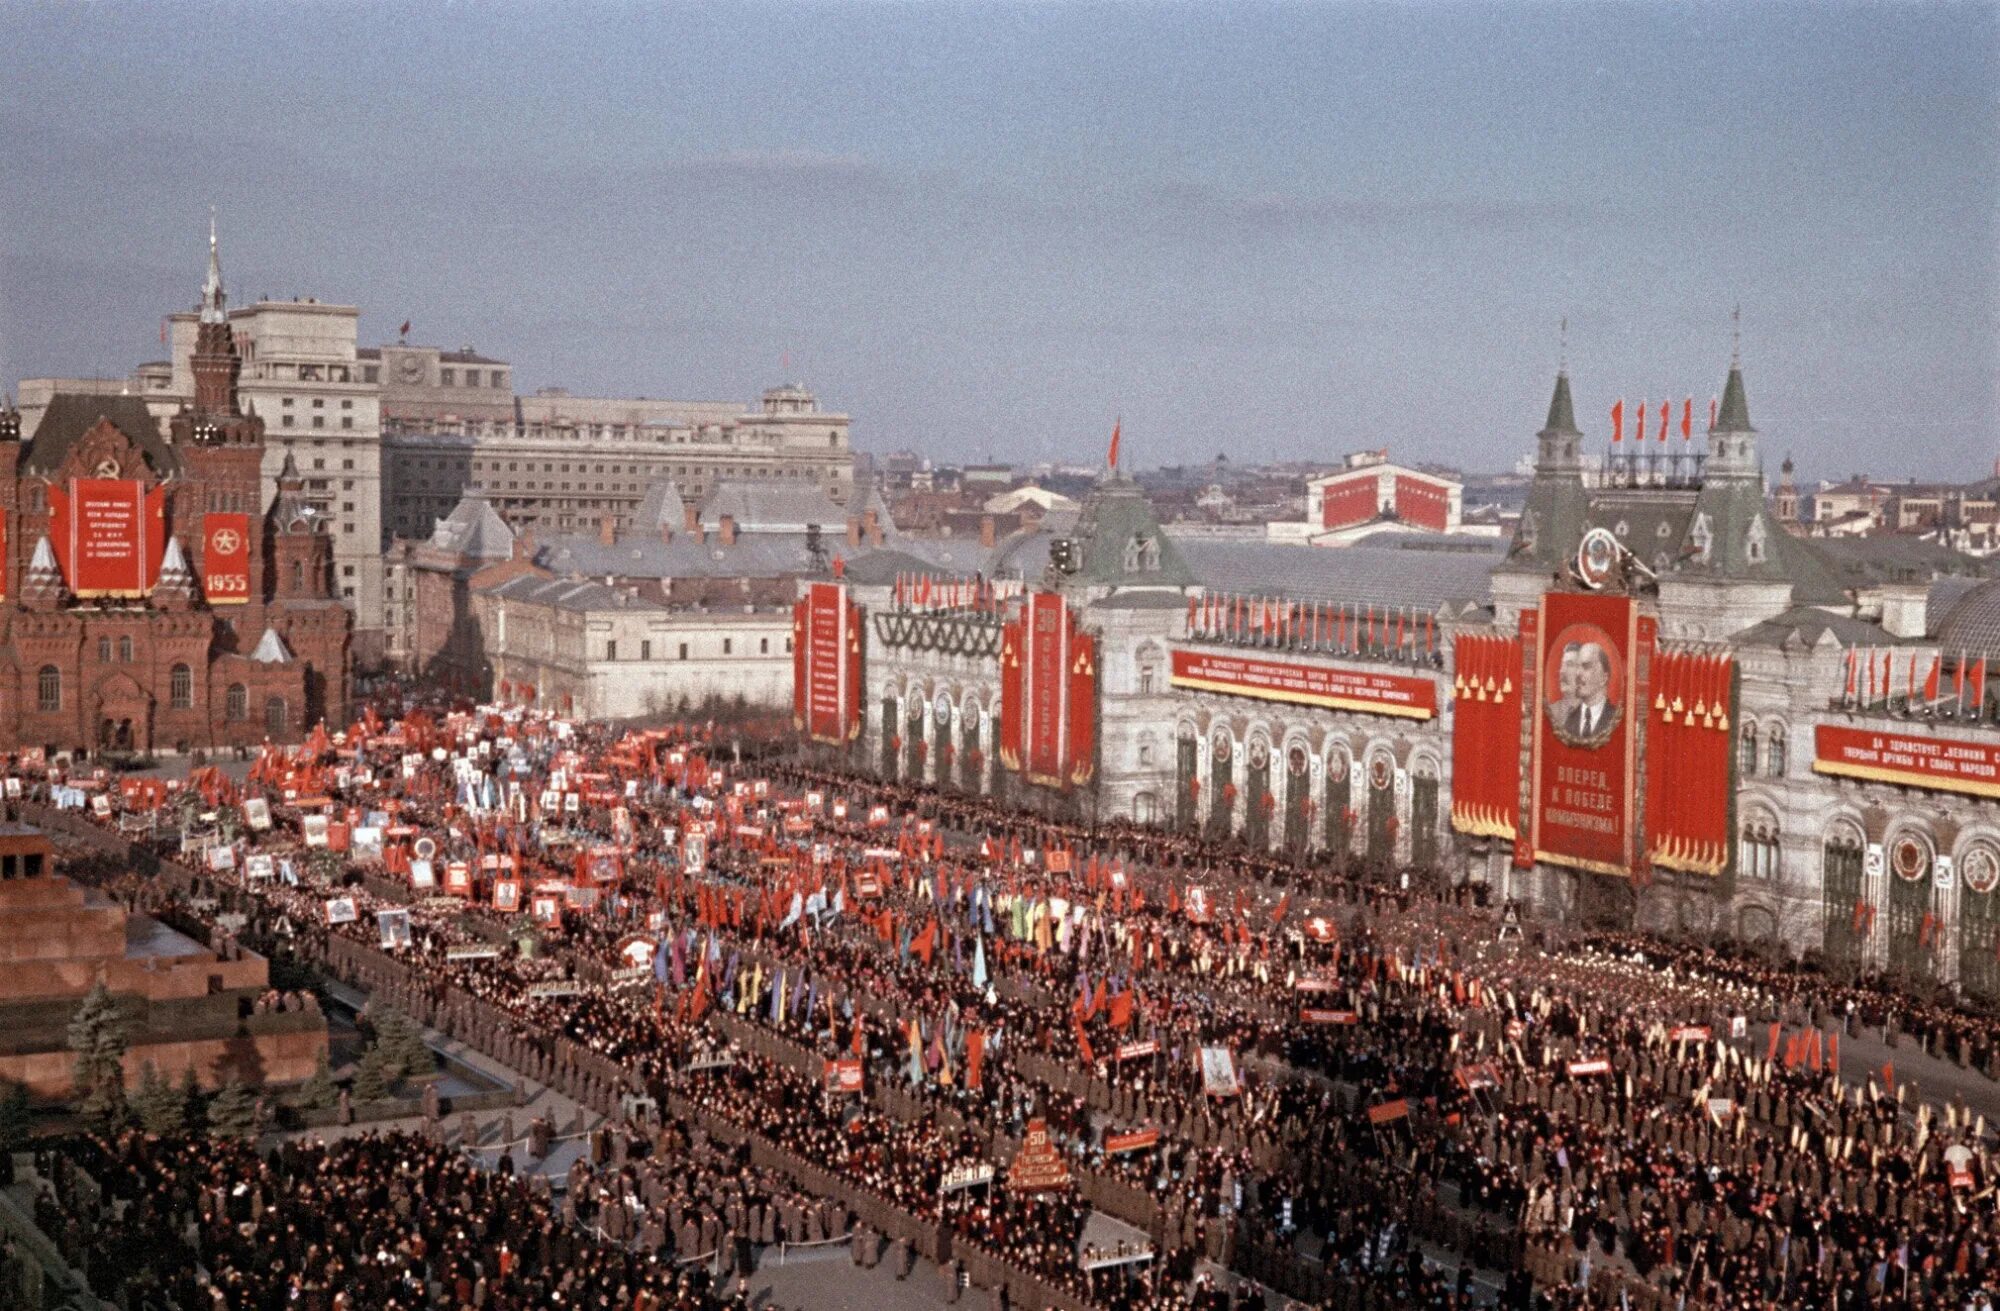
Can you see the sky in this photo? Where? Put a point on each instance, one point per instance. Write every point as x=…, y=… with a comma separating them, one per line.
x=1279, y=232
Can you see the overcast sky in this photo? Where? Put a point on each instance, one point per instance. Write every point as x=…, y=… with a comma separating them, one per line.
x=1282, y=232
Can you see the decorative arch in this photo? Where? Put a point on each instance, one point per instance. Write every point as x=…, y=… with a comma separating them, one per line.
x=1910, y=861
x=1759, y=851
x=1757, y=925
x=1777, y=748
x=1746, y=749
x=1977, y=861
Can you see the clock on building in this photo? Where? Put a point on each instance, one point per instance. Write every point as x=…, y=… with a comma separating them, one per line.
x=410, y=368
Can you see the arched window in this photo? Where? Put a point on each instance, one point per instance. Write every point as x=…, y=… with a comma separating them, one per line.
x=180, y=688
x=1758, y=854
x=236, y=703
x=124, y=650
x=48, y=689
x=1746, y=751
x=103, y=650
x=298, y=575
x=1775, y=754
x=274, y=715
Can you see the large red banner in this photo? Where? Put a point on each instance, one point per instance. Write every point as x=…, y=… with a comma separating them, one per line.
x=1350, y=501
x=1423, y=503
x=1047, y=686
x=826, y=662
x=1689, y=761
x=1081, y=707
x=109, y=535
x=1486, y=735
x=1295, y=683
x=225, y=559
x=1911, y=759
x=1586, y=695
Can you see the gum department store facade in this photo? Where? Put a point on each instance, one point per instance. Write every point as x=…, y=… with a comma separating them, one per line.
x=1869, y=872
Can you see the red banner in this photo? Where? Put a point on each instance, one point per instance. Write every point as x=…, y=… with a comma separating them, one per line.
x=1045, y=687
x=1350, y=501
x=826, y=642
x=1689, y=763
x=843, y=1076
x=1585, y=697
x=225, y=558
x=1422, y=502
x=1939, y=764
x=1315, y=1015
x=1578, y=1069
x=1080, y=751
x=1307, y=685
x=1486, y=735
x=109, y=535
x=1013, y=646
x=1138, y=1140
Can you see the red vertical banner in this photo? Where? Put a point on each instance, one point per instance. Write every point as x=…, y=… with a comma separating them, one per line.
x=1528, y=643
x=101, y=529
x=1586, y=661
x=1013, y=669
x=1082, y=708
x=1485, y=735
x=852, y=687
x=1690, y=761
x=1045, y=688
x=826, y=662
x=799, y=668
x=225, y=558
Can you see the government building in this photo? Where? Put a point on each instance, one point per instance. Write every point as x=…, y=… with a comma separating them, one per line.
x=152, y=593
x=1651, y=706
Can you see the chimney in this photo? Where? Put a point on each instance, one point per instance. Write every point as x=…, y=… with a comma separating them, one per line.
x=986, y=533
x=524, y=545
x=871, y=524
x=691, y=518
x=667, y=534
x=607, y=531
x=726, y=534
x=853, y=530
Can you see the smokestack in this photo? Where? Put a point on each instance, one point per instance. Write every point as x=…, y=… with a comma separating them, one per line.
x=607, y=531
x=726, y=534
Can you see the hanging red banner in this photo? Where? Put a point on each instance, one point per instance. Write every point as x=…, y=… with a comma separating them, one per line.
x=109, y=535
x=1486, y=735
x=1045, y=688
x=1689, y=764
x=826, y=643
x=1013, y=642
x=225, y=559
x=1081, y=707
x=1586, y=695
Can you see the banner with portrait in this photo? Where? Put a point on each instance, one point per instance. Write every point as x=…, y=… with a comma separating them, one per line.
x=1586, y=687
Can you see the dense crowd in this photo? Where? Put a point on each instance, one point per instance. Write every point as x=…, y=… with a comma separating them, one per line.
x=1341, y=1076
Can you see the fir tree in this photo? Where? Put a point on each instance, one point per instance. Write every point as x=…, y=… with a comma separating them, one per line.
x=193, y=1105
x=403, y=1047
x=16, y=1117
x=371, y=1077
x=97, y=1036
x=319, y=1093
x=232, y=1112
x=158, y=1105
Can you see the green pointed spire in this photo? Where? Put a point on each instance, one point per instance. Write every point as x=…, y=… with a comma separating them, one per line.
x=1562, y=413
x=1734, y=415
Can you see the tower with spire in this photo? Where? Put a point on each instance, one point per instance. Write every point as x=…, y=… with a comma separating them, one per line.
x=1557, y=508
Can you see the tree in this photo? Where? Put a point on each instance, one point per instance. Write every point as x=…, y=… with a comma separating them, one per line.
x=403, y=1048
x=319, y=1093
x=160, y=1108
x=371, y=1077
x=192, y=1103
x=16, y=1117
x=97, y=1036
x=232, y=1112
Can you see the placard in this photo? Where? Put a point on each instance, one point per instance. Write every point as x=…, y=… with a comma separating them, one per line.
x=1912, y=759
x=394, y=926
x=1293, y=682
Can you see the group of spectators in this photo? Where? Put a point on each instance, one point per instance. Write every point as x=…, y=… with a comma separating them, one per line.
x=1596, y=1121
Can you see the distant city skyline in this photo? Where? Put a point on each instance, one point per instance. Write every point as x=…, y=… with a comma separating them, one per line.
x=1280, y=232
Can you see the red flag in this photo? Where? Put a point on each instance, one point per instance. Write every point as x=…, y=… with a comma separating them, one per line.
x=1979, y=685
x=404, y=331
x=1889, y=1075
x=1833, y=1051
x=1771, y=1052
x=1687, y=419
x=1931, y=679
x=1618, y=421
x=1641, y=438
x=1666, y=418
x=1711, y=413
x=1116, y=424
x=1083, y=1046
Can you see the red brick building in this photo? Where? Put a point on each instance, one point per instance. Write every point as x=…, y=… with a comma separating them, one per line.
x=148, y=598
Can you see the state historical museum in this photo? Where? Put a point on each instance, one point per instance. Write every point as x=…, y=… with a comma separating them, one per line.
x=149, y=599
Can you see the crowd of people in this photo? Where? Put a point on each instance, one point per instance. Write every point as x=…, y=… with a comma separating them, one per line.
x=1274, y=1069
